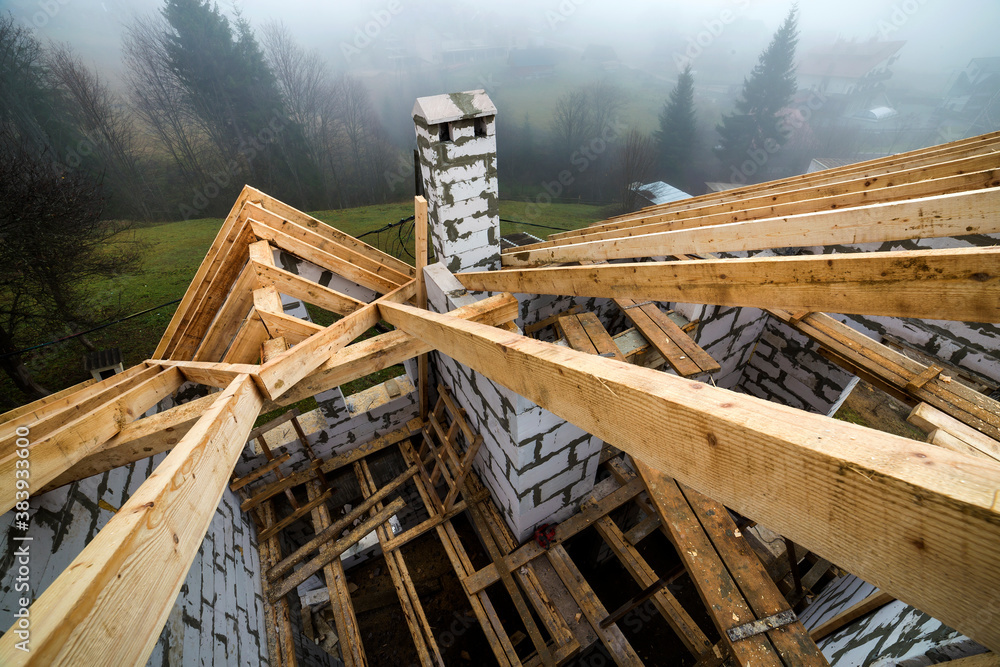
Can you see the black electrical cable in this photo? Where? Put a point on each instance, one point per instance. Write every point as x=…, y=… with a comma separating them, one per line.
x=83, y=333
x=534, y=224
x=386, y=228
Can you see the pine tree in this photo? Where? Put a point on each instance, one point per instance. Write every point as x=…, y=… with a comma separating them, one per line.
x=753, y=130
x=677, y=136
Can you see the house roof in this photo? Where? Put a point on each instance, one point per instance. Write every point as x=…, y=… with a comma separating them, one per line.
x=847, y=60
x=659, y=192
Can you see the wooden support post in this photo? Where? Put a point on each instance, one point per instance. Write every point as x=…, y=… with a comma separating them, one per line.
x=88, y=615
x=420, y=252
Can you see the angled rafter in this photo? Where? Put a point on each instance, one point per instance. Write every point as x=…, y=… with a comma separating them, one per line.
x=209, y=373
x=231, y=313
x=970, y=173
x=89, y=615
x=780, y=466
x=960, y=284
x=306, y=290
x=245, y=348
x=280, y=374
x=57, y=451
x=976, y=212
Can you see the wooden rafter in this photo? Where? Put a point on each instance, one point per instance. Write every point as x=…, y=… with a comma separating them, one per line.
x=780, y=466
x=90, y=609
x=964, y=282
x=959, y=214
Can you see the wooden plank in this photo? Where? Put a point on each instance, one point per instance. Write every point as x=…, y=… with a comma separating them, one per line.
x=923, y=378
x=420, y=253
x=413, y=612
x=791, y=641
x=963, y=283
x=324, y=260
x=53, y=402
x=550, y=320
x=277, y=611
x=280, y=374
x=861, y=178
x=137, y=440
x=618, y=646
x=981, y=660
x=293, y=329
x=674, y=355
x=330, y=553
x=305, y=290
x=464, y=470
x=930, y=419
x=955, y=214
x=779, y=466
x=599, y=336
x=245, y=348
x=224, y=239
x=892, y=371
x=266, y=298
x=355, y=246
x=565, y=530
x=352, y=648
x=53, y=453
x=299, y=512
x=210, y=373
x=680, y=338
x=88, y=614
x=723, y=598
x=673, y=613
x=234, y=309
x=863, y=608
x=576, y=335
x=333, y=531
x=258, y=473
x=385, y=350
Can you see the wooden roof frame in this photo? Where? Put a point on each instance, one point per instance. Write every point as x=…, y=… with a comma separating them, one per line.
x=921, y=522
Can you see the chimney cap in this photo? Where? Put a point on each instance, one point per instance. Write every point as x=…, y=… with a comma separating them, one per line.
x=454, y=106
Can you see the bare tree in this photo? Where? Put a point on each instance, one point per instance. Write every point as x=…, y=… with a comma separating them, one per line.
x=635, y=160
x=106, y=127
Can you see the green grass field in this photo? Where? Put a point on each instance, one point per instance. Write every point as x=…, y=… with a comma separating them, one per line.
x=176, y=249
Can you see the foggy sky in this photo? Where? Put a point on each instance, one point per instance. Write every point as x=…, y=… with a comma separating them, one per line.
x=941, y=36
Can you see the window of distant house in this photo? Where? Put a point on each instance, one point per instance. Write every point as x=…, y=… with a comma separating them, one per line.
x=444, y=131
x=480, y=127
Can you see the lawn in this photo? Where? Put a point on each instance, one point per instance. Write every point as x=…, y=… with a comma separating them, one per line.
x=176, y=249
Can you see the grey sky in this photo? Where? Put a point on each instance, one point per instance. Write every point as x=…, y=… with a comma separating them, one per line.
x=942, y=36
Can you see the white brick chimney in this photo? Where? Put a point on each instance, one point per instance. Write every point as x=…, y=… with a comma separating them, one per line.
x=456, y=141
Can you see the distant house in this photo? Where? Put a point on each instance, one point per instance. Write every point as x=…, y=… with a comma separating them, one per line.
x=456, y=52
x=533, y=63
x=975, y=88
x=602, y=56
x=657, y=192
x=853, y=73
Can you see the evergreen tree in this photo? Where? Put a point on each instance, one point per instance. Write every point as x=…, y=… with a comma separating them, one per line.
x=676, y=138
x=754, y=127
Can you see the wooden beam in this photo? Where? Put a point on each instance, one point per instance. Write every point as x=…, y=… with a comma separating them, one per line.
x=227, y=235
x=293, y=329
x=323, y=259
x=893, y=372
x=299, y=512
x=385, y=350
x=420, y=252
x=280, y=374
x=210, y=373
x=89, y=615
x=964, y=283
x=306, y=290
x=54, y=453
x=234, y=309
x=930, y=511
x=930, y=419
x=245, y=348
x=329, y=232
x=137, y=440
x=979, y=172
x=43, y=405
x=866, y=606
x=958, y=214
